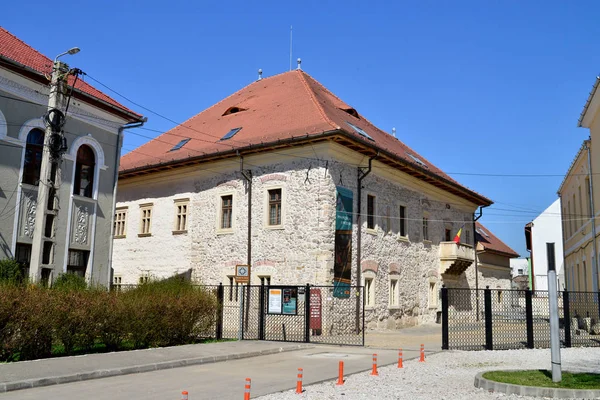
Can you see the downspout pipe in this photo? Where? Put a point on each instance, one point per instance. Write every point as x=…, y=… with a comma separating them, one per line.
x=247, y=174
x=475, y=219
x=362, y=174
x=115, y=185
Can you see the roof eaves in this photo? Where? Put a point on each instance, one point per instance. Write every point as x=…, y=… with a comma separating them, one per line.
x=588, y=102
x=581, y=149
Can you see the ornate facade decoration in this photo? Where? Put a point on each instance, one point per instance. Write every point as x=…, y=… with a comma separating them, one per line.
x=29, y=217
x=81, y=225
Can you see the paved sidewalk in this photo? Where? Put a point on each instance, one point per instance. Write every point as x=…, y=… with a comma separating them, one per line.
x=30, y=374
x=408, y=338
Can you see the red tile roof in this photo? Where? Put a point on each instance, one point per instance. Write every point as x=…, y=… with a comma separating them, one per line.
x=490, y=242
x=14, y=49
x=288, y=106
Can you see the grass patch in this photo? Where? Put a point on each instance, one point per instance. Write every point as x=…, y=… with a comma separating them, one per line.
x=543, y=378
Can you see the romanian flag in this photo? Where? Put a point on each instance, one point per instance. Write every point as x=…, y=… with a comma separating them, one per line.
x=457, y=237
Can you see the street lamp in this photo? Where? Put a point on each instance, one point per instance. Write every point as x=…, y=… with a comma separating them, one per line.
x=71, y=51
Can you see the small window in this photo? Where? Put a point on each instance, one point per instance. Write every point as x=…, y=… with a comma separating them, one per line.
x=425, y=228
x=369, y=292
x=467, y=236
x=181, y=212
x=433, y=295
x=402, y=221
x=117, y=282
x=275, y=207
x=144, y=279
x=447, y=234
x=231, y=133
x=33, y=157
x=77, y=262
x=417, y=160
x=265, y=280
x=359, y=131
x=180, y=144
x=120, y=228
x=233, y=289
x=226, y=211
x=84, y=172
x=482, y=232
x=520, y=271
x=145, y=219
x=370, y=212
x=393, y=300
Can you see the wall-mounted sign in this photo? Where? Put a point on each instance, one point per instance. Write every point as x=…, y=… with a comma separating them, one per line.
x=242, y=273
x=283, y=300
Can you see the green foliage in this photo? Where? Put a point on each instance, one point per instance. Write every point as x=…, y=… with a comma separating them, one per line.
x=69, y=282
x=543, y=378
x=69, y=319
x=10, y=271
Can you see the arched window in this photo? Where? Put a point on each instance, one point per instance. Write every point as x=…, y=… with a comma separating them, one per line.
x=33, y=157
x=84, y=172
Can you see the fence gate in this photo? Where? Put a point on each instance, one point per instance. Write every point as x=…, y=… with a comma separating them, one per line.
x=496, y=319
x=290, y=313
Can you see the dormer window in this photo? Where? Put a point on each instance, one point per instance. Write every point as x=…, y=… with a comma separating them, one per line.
x=351, y=111
x=233, y=110
x=417, y=160
x=359, y=131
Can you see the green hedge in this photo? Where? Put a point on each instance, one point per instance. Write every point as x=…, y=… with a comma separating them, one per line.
x=37, y=322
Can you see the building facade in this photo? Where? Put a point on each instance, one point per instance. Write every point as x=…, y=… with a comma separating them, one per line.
x=83, y=202
x=289, y=179
x=546, y=228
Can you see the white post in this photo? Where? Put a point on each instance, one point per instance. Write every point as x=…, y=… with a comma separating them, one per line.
x=42, y=253
x=241, y=327
x=553, y=300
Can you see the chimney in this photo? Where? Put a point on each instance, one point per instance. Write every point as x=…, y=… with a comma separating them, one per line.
x=259, y=74
x=299, y=62
x=394, y=132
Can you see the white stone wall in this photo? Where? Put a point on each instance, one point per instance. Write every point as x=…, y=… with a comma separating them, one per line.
x=301, y=250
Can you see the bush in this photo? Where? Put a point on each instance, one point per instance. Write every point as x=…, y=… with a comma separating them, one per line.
x=10, y=271
x=69, y=281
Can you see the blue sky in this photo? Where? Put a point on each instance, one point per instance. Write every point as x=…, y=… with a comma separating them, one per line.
x=477, y=87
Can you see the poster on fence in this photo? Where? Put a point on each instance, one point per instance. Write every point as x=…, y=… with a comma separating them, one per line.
x=342, y=268
x=274, y=301
x=315, y=311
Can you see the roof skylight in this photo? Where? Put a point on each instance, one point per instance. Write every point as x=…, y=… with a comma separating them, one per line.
x=359, y=131
x=230, y=134
x=417, y=160
x=180, y=144
x=482, y=232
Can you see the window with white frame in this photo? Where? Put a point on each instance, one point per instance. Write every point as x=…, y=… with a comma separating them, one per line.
x=120, y=228
x=369, y=283
x=393, y=292
x=117, y=282
x=145, y=219
x=226, y=212
x=274, y=218
x=181, y=215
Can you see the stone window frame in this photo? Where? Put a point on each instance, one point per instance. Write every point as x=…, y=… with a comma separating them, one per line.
x=433, y=296
x=425, y=227
x=373, y=230
x=266, y=204
x=120, y=223
x=396, y=295
x=230, y=230
x=181, y=214
x=143, y=232
x=400, y=219
x=369, y=279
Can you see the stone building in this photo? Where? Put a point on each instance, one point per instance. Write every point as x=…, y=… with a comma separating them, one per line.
x=84, y=198
x=273, y=176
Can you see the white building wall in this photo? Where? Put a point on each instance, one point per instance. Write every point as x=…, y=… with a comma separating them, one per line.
x=517, y=264
x=547, y=227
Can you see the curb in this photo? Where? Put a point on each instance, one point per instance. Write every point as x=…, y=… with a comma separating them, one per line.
x=135, y=369
x=536, y=391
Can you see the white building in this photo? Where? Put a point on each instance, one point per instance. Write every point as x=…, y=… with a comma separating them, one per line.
x=545, y=228
x=519, y=266
x=273, y=176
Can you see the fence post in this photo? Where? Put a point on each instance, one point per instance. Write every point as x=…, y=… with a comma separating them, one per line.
x=261, y=312
x=529, y=317
x=445, y=339
x=307, y=313
x=487, y=298
x=567, y=317
x=220, y=301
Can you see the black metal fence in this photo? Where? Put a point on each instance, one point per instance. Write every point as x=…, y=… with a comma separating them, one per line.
x=495, y=319
x=316, y=314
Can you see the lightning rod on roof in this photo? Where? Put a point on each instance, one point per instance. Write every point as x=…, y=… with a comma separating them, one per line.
x=394, y=132
x=299, y=62
x=259, y=74
x=290, y=47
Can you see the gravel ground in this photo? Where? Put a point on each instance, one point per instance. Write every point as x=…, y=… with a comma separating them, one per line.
x=446, y=375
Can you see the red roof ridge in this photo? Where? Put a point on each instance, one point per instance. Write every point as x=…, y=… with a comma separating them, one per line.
x=314, y=101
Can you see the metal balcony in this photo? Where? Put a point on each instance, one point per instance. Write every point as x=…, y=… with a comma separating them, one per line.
x=455, y=258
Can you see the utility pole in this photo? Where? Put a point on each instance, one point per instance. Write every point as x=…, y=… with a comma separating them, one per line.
x=553, y=302
x=46, y=213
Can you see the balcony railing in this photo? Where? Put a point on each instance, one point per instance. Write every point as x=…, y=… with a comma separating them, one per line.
x=455, y=258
